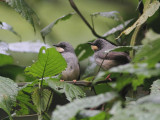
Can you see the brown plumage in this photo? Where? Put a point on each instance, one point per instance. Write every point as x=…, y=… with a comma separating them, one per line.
x=111, y=59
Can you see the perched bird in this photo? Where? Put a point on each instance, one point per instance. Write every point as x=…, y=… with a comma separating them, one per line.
x=72, y=71
x=110, y=59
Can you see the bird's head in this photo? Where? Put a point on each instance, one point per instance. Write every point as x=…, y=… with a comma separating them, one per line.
x=64, y=47
x=99, y=44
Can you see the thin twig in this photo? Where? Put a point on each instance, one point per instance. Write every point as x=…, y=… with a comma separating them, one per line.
x=78, y=83
x=92, y=21
x=73, y=5
x=100, y=67
x=83, y=18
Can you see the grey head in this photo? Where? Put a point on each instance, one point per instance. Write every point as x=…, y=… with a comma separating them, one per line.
x=64, y=47
x=100, y=44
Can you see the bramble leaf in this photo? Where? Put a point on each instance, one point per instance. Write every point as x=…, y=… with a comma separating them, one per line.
x=50, y=63
x=71, y=91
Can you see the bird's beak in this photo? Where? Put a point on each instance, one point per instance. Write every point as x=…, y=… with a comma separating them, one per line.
x=59, y=49
x=94, y=47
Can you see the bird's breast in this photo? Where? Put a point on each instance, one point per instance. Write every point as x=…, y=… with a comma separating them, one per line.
x=107, y=64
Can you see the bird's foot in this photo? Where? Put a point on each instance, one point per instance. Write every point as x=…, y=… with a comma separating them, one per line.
x=108, y=77
x=61, y=80
x=74, y=81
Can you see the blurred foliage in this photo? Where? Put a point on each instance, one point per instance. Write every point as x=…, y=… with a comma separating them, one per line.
x=8, y=93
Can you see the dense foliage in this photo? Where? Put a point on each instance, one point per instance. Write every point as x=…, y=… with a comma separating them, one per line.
x=134, y=95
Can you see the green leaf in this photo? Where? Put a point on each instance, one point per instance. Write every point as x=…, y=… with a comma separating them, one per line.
x=147, y=107
x=8, y=93
x=88, y=113
x=120, y=49
x=50, y=63
x=23, y=8
x=24, y=103
x=5, y=26
x=42, y=99
x=71, y=91
x=150, y=36
x=117, y=28
x=5, y=59
x=15, y=73
x=45, y=31
x=138, y=69
x=149, y=53
x=94, y=115
x=112, y=14
x=69, y=110
x=138, y=112
x=83, y=51
x=153, y=98
x=155, y=89
x=150, y=10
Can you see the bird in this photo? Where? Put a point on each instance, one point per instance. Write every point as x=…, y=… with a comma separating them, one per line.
x=72, y=72
x=110, y=59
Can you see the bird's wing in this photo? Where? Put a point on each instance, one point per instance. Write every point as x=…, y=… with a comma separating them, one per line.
x=121, y=57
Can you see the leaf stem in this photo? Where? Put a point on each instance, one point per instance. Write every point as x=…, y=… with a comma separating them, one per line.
x=133, y=40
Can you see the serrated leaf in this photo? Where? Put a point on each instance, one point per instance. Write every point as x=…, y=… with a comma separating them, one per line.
x=50, y=63
x=151, y=9
x=8, y=92
x=5, y=26
x=69, y=110
x=112, y=14
x=24, y=103
x=42, y=99
x=83, y=51
x=24, y=10
x=45, y=31
x=155, y=89
x=71, y=91
x=5, y=59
